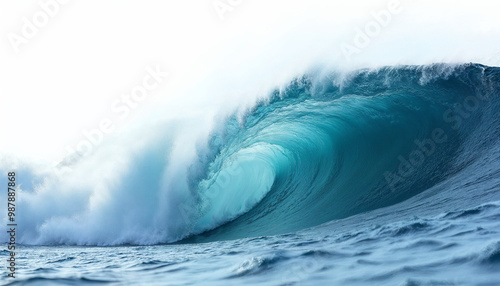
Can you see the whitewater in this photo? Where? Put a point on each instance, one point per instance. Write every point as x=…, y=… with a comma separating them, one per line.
x=268, y=156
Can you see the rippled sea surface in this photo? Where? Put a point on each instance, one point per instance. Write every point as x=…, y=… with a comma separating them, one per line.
x=408, y=244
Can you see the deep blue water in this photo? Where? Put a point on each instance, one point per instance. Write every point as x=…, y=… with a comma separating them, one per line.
x=380, y=177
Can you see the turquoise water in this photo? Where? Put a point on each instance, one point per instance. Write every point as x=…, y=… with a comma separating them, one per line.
x=378, y=177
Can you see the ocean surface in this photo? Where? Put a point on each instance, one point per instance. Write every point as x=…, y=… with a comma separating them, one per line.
x=375, y=177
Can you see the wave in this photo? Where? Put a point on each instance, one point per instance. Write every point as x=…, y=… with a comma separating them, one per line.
x=323, y=150
x=325, y=147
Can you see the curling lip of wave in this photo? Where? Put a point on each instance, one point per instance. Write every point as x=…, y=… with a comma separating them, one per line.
x=329, y=146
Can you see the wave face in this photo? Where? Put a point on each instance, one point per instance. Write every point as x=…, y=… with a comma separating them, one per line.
x=325, y=147
x=329, y=147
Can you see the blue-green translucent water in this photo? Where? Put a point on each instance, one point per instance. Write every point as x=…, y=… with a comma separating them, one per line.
x=386, y=177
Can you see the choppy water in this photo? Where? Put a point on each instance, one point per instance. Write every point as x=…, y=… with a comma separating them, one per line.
x=460, y=247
